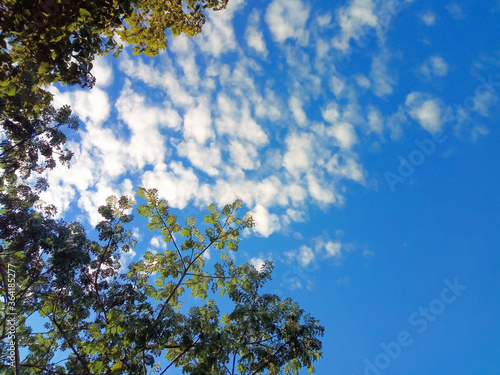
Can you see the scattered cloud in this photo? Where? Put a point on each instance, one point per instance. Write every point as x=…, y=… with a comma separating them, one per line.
x=218, y=34
x=428, y=18
x=484, y=100
x=287, y=19
x=155, y=241
x=434, y=66
x=265, y=222
x=198, y=123
x=90, y=106
x=297, y=159
x=205, y=158
x=456, y=11
x=353, y=21
x=383, y=81
x=299, y=115
x=305, y=256
x=329, y=249
x=215, y=118
x=375, y=121
x=254, y=36
x=324, y=19
x=425, y=110
x=102, y=71
x=362, y=81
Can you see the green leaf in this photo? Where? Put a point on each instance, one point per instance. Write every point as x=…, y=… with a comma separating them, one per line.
x=84, y=13
x=141, y=192
x=12, y=90
x=159, y=282
x=117, y=366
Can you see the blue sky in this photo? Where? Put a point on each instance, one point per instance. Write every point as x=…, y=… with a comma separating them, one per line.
x=362, y=135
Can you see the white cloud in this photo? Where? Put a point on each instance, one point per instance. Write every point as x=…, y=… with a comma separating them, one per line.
x=331, y=112
x=147, y=144
x=166, y=79
x=126, y=258
x=345, y=167
x=202, y=128
x=198, y=123
x=324, y=19
x=337, y=85
x=435, y=66
x=295, y=105
x=206, y=159
x=478, y=131
x=158, y=243
x=254, y=36
x=428, y=18
x=362, y=81
x=353, y=21
x=375, y=121
x=483, y=101
x=244, y=155
x=383, y=80
x=328, y=249
x=184, y=48
x=296, y=193
x=322, y=48
x=287, y=19
x=305, y=256
x=102, y=71
x=59, y=194
x=218, y=34
x=236, y=120
x=426, y=111
x=299, y=155
x=323, y=195
x=155, y=242
x=396, y=121
x=296, y=215
x=344, y=134
x=265, y=222
x=92, y=106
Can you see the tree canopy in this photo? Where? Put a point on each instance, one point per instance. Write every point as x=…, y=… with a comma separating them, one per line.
x=47, y=41
x=104, y=320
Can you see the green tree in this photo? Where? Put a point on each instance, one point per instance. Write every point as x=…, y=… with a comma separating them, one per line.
x=34, y=144
x=50, y=41
x=101, y=320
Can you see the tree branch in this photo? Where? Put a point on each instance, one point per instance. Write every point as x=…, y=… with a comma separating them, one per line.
x=179, y=356
x=82, y=361
x=270, y=358
x=172, y=238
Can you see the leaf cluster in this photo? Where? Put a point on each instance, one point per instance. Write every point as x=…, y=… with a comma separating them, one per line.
x=34, y=144
x=57, y=40
x=113, y=321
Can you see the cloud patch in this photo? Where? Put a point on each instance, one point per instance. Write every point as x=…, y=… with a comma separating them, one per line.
x=425, y=110
x=287, y=20
x=435, y=66
x=254, y=36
